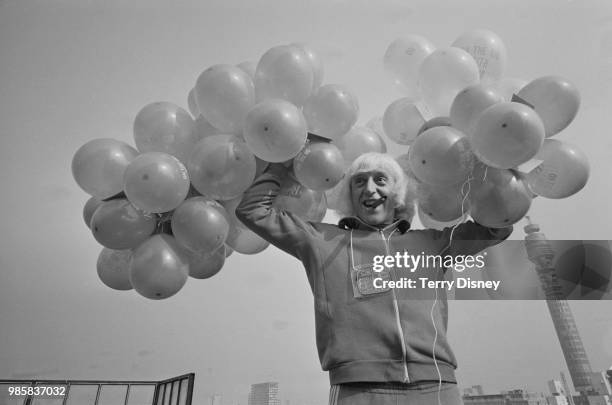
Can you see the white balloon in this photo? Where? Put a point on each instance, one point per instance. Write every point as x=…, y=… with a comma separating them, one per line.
x=555, y=99
x=402, y=120
x=441, y=156
x=284, y=72
x=249, y=67
x=164, y=127
x=430, y=223
x=563, y=172
x=442, y=75
x=331, y=111
x=99, y=165
x=359, y=140
x=114, y=268
x=275, y=130
x=443, y=203
x=225, y=94
x=488, y=51
x=317, y=65
x=403, y=59
x=192, y=104
x=507, y=135
x=202, y=129
x=159, y=267
x=203, y=265
x=470, y=103
x=221, y=167
x=376, y=125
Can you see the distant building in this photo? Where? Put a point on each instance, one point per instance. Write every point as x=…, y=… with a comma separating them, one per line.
x=541, y=253
x=264, y=394
x=558, y=393
x=522, y=397
x=513, y=397
x=601, y=383
x=473, y=390
x=493, y=399
x=592, y=400
x=556, y=388
x=215, y=400
x=569, y=394
x=557, y=400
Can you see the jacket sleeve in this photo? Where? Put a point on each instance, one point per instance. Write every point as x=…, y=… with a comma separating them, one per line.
x=470, y=238
x=281, y=228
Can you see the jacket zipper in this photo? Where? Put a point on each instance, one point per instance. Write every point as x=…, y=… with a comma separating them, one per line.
x=397, y=317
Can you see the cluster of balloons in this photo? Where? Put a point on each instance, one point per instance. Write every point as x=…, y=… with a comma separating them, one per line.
x=164, y=210
x=479, y=142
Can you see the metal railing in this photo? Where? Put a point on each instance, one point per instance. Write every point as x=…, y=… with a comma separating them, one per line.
x=173, y=391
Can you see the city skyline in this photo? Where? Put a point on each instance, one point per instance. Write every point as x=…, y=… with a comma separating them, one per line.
x=555, y=386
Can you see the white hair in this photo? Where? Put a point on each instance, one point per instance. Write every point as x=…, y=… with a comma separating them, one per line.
x=402, y=194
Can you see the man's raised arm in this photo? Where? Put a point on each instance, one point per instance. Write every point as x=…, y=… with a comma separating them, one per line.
x=281, y=228
x=470, y=238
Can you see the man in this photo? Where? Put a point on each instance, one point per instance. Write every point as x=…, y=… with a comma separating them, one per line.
x=380, y=345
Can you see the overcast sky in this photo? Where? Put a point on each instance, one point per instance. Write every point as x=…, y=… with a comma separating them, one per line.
x=72, y=71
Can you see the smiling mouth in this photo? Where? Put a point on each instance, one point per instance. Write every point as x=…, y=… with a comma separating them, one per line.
x=372, y=203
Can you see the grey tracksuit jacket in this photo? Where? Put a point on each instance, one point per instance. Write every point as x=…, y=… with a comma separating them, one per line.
x=363, y=333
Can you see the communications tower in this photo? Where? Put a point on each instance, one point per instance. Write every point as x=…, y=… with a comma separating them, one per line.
x=541, y=253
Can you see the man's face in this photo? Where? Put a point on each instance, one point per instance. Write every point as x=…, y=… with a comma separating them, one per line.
x=369, y=195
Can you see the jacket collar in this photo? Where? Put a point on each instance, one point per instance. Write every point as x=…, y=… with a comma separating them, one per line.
x=347, y=223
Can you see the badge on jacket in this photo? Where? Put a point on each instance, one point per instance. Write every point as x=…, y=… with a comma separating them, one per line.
x=362, y=277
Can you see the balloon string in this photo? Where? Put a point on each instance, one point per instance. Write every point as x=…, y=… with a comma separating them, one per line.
x=465, y=192
x=433, y=349
x=158, y=224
